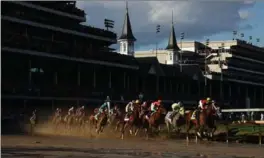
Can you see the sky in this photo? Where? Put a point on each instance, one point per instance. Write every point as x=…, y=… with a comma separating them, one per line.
x=198, y=19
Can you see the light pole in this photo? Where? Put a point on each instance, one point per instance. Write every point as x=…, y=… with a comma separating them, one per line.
x=205, y=65
x=109, y=24
x=257, y=40
x=182, y=37
x=242, y=36
x=221, y=66
x=157, y=31
x=234, y=35
x=250, y=39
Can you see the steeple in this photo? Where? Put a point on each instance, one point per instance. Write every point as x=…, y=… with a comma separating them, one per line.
x=127, y=33
x=127, y=38
x=172, y=44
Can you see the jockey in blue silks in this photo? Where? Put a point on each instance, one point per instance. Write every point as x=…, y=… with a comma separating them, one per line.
x=104, y=106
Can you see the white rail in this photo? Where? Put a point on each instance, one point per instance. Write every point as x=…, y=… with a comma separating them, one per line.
x=244, y=110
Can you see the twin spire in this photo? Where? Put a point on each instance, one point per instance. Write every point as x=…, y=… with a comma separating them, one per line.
x=172, y=44
x=127, y=33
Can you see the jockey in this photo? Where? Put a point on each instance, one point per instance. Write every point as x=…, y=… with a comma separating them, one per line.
x=144, y=106
x=80, y=111
x=58, y=112
x=130, y=107
x=176, y=107
x=154, y=106
x=103, y=107
x=71, y=110
x=202, y=103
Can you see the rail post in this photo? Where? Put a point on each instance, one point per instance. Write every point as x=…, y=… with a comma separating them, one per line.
x=227, y=133
x=260, y=135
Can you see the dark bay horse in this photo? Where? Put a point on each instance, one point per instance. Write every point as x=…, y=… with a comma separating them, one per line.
x=156, y=119
x=134, y=120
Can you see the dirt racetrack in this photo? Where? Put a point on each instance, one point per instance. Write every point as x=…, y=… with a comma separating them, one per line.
x=50, y=144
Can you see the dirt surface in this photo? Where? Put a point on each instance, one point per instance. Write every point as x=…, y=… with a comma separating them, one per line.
x=60, y=143
x=67, y=146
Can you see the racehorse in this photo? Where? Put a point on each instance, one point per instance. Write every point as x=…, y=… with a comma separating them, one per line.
x=134, y=120
x=57, y=120
x=206, y=120
x=102, y=121
x=116, y=118
x=92, y=120
x=156, y=119
x=33, y=121
x=177, y=120
x=68, y=121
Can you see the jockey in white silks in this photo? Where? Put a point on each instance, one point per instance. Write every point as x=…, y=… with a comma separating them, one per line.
x=71, y=111
x=129, y=108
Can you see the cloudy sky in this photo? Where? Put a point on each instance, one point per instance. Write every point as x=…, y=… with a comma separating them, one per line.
x=198, y=19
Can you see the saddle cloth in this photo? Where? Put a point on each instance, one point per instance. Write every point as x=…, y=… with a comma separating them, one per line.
x=193, y=117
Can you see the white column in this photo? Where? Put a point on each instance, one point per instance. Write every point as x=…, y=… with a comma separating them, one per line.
x=110, y=80
x=94, y=78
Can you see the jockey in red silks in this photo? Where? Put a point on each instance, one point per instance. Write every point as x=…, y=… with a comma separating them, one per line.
x=154, y=106
x=202, y=103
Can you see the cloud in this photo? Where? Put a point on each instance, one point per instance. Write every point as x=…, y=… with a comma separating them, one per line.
x=195, y=18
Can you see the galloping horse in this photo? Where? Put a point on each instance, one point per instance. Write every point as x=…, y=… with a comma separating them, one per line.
x=92, y=120
x=134, y=120
x=206, y=121
x=33, y=121
x=116, y=118
x=156, y=119
x=102, y=121
x=57, y=120
x=177, y=121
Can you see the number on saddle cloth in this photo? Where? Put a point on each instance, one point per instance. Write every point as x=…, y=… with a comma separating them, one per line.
x=193, y=117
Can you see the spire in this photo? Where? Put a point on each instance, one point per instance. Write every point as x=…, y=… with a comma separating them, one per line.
x=172, y=44
x=127, y=30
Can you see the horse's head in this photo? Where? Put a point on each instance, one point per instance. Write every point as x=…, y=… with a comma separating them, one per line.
x=162, y=110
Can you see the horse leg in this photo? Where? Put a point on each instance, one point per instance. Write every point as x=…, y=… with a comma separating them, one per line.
x=168, y=127
x=123, y=128
x=117, y=125
x=188, y=128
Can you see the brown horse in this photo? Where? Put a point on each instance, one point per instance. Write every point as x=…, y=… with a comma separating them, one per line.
x=206, y=122
x=134, y=120
x=156, y=119
x=102, y=121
